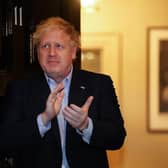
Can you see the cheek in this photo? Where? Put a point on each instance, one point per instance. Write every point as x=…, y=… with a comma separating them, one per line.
x=42, y=61
x=41, y=56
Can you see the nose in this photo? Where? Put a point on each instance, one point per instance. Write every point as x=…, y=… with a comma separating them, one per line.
x=52, y=50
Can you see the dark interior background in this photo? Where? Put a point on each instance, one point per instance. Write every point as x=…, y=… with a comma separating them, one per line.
x=17, y=56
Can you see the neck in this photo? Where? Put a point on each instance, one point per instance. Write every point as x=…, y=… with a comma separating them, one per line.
x=60, y=77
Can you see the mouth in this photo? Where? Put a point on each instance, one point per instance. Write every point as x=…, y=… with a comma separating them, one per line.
x=53, y=62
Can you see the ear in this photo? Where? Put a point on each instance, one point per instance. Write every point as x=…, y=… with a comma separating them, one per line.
x=74, y=51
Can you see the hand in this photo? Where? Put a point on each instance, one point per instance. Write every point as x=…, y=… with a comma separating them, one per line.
x=54, y=103
x=76, y=116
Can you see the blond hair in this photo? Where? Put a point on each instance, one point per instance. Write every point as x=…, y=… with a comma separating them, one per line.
x=59, y=24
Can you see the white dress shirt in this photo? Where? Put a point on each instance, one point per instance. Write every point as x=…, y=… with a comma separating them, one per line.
x=86, y=134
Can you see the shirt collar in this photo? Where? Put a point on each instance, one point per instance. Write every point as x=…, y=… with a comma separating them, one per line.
x=51, y=82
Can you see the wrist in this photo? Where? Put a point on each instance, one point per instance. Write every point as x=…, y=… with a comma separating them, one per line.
x=45, y=118
x=84, y=125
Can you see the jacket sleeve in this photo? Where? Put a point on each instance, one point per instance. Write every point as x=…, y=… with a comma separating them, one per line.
x=108, y=124
x=17, y=130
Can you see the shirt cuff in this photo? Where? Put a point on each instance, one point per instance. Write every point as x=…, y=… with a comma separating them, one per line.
x=86, y=133
x=42, y=128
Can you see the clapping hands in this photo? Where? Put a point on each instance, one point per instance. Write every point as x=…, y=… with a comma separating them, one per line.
x=76, y=116
x=54, y=103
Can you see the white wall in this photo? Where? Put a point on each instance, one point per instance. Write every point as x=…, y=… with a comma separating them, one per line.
x=130, y=20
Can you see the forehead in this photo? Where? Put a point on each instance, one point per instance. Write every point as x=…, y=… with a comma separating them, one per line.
x=54, y=35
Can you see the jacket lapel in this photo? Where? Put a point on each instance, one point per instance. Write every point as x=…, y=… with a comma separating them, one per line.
x=79, y=91
x=41, y=94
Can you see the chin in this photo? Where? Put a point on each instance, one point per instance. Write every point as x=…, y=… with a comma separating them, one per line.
x=52, y=68
x=52, y=71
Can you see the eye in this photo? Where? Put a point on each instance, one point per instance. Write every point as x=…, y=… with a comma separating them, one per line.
x=59, y=46
x=45, y=45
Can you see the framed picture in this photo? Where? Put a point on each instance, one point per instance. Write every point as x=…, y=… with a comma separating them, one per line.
x=91, y=59
x=158, y=79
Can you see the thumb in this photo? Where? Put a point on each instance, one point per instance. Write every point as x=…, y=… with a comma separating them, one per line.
x=88, y=102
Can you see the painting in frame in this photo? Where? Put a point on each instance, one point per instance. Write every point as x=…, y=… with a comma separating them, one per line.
x=158, y=79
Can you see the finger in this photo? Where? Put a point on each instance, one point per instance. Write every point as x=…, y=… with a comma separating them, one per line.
x=70, y=113
x=75, y=107
x=71, y=122
x=58, y=89
x=74, y=121
x=88, y=102
x=69, y=117
x=59, y=98
x=58, y=101
x=60, y=95
x=55, y=92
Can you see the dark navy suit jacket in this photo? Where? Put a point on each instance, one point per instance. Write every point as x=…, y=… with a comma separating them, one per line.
x=27, y=98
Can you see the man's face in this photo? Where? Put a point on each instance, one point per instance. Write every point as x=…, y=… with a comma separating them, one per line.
x=55, y=54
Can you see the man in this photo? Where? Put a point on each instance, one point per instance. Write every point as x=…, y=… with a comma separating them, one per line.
x=64, y=118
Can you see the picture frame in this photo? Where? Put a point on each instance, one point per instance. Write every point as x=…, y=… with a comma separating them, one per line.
x=91, y=59
x=157, y=79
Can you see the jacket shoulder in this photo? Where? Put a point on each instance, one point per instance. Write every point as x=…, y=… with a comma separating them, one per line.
x=25, y=82
x=94, y=75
